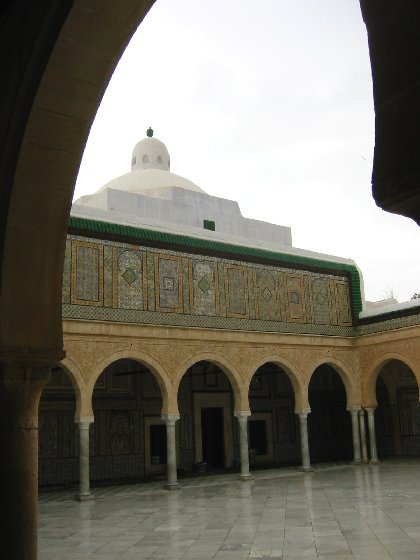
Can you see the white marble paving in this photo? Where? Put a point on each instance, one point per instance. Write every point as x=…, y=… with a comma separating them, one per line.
x=339, y=511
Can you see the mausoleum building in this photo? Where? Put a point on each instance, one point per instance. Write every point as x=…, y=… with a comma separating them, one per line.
x=198, y=339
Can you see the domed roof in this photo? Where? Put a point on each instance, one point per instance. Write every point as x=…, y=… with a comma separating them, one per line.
x=150, y=153
x=150, y=170
x=141, y=181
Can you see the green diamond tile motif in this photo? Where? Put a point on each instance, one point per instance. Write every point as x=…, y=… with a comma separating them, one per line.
x=130, y=276
x=204, y=285
x=319, y=298
x=266, y=294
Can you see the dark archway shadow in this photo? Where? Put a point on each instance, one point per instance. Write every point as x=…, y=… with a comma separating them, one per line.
x=329, y=423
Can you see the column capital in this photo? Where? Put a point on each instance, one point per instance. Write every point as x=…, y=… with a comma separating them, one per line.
x=170, y=418
x=36, y=357
x=82, y=420
x=20, y=390
x=361, y=411
x=303, y=413
x=242, y=414
x=370, y=410
x=354, y=409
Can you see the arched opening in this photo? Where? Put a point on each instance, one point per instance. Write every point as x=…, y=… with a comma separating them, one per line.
x=208, y=439
x=58, y=441
x=128, y=437
x=329, y=423
x=397, y=416
x=273, y=433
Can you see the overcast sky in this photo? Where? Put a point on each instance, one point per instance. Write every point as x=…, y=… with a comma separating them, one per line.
x=269, y=104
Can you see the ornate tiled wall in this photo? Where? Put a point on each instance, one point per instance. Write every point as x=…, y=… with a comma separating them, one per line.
x=113, y=281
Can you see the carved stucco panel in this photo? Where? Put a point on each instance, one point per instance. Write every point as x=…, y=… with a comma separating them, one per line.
x=373, y=358
x=89, y=353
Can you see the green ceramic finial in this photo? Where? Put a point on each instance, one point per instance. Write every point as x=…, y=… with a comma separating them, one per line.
x=149, y=132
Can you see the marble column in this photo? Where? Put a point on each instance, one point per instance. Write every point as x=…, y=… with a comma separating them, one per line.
x=354, y=411
x=172, y=477
x=362, y=427
x=304, y=442
x=84, y=478
x=242, y=417
x=21, y=384
x=372, y=436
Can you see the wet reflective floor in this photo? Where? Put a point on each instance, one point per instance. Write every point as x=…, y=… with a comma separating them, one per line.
x=338, y=512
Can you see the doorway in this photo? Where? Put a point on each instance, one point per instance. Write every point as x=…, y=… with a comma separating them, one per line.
x=212, y=437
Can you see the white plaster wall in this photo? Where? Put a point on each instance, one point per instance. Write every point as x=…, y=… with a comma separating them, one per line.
x=185, y=208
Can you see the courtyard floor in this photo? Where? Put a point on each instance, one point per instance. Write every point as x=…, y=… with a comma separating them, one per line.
x=339, y=511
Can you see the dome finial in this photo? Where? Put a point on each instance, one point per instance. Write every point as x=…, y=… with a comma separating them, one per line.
x=149, y=132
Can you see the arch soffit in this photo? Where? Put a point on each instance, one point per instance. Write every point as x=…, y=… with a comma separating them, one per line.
x=63, y=122
x=370, y=379
x=288, y=367
x=79, y=384
x=154, y=366
x=225, y=365
x=349, y=381
x=74, y=373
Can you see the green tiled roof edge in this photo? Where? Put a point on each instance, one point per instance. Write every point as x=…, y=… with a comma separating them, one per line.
x=234, y=250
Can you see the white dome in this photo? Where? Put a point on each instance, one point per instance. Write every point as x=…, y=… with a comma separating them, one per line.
x=149, y=176
x=144, y=181
x=150, y=153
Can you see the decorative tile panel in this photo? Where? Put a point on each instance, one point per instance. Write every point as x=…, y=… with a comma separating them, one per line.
x=168, y=283
x=342, y=303
x=87, y=273
x=266, y=295
x=122, y=282
x=108, y=277
x=67, y=273
x=295, y=298
x=130, y=287
x=186, y=285
x=320, y=301
x=204, y=287
x=150, y=264
x=236, y=285
x=120, y=433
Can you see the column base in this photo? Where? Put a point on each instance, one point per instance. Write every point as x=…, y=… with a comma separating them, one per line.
x=245, y=477
x=365, y=461
x=84, y=497
x=374, y=462
x=357, y=462
x=172, y=486
x=305, y=469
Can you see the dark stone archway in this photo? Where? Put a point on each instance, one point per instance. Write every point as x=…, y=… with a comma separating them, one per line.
x=57, y=59
x=329, y=423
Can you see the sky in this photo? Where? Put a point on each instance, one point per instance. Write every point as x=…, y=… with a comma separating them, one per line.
x=269, y=104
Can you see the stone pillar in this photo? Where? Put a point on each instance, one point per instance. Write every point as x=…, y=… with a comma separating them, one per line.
x=362, y=426
x=372, y=436
x=20, y=390
x=84, y=479
x=354, y=411
x=242, y=417
x=304, y=443
x=172, y=477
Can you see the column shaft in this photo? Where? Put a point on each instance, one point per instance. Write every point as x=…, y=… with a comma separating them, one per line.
x=304, y=442
x=242, y=417
x=362, y=426
x=172, y=476
x=84, y=458
x=372, y=436
x=356, y=437
x=20, y=391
